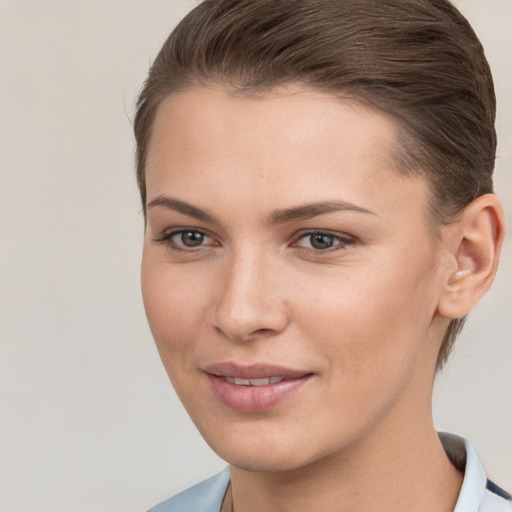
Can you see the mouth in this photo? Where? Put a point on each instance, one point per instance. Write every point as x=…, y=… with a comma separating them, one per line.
x=254, y=388
x=254, y=382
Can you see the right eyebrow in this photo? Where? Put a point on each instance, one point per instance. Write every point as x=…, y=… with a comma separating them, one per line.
x=181, y=207
x=308, y=211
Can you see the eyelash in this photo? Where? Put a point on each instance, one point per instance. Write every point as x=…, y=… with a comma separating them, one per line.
x=343, y=241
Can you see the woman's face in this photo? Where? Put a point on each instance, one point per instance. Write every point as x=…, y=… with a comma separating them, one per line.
x=289, y=276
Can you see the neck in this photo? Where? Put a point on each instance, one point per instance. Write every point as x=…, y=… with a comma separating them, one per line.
x=388, y=472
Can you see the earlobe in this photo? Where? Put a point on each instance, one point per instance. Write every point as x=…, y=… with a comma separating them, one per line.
x=475, y=255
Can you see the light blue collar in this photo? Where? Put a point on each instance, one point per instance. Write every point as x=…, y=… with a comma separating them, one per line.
x=465, y=459
x=207, y=496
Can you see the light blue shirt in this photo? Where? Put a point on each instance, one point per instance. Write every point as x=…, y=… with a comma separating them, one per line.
x=477, y=494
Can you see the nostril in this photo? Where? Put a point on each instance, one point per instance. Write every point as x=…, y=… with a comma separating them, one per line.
x=245, y=308
x=261, y=332
x=246, y=336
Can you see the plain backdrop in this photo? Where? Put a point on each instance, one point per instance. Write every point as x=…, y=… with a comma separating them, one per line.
x=88, y=420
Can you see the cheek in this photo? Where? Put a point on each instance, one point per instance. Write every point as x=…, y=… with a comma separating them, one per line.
x=173, y=302
x=369, y=323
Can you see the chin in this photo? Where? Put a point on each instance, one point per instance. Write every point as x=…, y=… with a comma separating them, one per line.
x=264, y=453
x=264, y=461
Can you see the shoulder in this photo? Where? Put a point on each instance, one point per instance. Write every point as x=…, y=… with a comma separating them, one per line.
x=205, y=496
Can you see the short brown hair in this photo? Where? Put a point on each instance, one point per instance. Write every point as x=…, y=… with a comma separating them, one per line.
x=417, y=60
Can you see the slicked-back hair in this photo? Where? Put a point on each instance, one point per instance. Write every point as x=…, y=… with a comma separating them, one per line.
x=418, y=61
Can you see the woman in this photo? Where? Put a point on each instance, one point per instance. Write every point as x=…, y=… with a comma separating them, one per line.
x=316, y=177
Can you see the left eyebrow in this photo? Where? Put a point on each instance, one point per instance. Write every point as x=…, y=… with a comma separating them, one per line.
x=308, y=211
x=181, y=207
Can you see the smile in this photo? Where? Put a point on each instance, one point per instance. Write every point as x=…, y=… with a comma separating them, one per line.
x=256, y=387
x=254, y=382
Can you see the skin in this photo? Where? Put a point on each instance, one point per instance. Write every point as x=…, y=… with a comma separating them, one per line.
x=365, y=317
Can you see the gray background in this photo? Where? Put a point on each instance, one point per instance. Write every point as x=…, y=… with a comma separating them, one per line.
x=88, y=420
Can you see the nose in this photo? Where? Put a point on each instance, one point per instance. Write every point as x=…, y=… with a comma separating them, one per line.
x=251, y=302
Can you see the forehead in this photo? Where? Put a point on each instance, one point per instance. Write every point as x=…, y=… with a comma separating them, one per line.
x=203, y=121
x=290, y=113
x=292, y=145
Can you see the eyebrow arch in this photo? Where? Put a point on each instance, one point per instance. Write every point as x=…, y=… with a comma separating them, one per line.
x=303, y=212
x=308, y=211
x=182, y=207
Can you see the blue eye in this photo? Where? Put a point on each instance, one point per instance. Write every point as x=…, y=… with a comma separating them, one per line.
x=321, y=241
x=186, y=239
x=189, y=238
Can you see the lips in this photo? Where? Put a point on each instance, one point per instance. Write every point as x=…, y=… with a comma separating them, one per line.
x=253, y=371
x=253, y=388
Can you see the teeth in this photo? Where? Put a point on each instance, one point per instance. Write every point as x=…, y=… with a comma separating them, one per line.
x=254, y=382
x=259, y=382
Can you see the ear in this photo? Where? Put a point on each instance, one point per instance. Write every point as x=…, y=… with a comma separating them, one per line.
x=474, y=244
